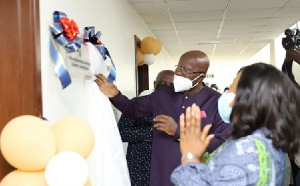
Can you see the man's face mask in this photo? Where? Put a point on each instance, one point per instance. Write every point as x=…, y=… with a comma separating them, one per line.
x=183, y=84
x=224, y=107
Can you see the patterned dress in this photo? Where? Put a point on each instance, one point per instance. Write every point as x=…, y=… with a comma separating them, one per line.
x=137, y=132
x=251, y=160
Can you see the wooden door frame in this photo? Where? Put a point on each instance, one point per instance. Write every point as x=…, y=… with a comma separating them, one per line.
x=141, y=72
x=20, y=63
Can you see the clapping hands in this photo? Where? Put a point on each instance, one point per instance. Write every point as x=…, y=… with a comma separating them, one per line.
x=192, y=138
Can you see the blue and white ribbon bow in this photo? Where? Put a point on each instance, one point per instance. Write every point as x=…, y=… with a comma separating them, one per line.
x=61, y=30
x=94, y=38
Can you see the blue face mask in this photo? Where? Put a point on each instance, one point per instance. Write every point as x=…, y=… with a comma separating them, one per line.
x=223, y=105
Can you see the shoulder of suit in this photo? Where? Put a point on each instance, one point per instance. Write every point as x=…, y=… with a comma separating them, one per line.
x=210, y=92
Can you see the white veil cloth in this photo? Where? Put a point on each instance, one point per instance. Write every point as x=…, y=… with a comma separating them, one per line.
x=107, y=162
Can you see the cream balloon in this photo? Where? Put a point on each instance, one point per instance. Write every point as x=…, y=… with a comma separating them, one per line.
x=149, y=59
x=22, y=178
x=66, y=169
x=74, y=134
x=27, y=143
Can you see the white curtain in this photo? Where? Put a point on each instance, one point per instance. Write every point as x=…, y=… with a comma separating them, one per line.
x=107, y=163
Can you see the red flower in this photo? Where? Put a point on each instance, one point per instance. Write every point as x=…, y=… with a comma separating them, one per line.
x=70, y=28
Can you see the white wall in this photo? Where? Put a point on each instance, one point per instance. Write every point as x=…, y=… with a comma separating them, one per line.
x=118, y=24
x=224, y=73
x=262, y=56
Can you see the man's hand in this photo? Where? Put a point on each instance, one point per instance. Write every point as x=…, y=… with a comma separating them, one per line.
x=294, y=54
x=166, y=124
x=108, y=89
x=192, y=138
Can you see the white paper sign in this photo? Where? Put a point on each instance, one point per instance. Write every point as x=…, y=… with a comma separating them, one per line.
x=86, y=63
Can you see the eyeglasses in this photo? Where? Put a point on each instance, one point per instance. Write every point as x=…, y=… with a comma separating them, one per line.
x=185, y=71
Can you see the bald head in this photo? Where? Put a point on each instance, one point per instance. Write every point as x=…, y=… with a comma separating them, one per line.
x=196, y=60
x=193, y=65
x=164, y=77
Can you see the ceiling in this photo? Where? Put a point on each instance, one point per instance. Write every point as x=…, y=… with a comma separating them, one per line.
x=227, y=30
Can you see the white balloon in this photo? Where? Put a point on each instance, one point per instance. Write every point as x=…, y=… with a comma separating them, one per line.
x=66, y=169
x=149, y=59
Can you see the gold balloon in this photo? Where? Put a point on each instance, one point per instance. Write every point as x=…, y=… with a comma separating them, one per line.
x=74, y=134
x=27, y=143
x=158, y=47
x=141, y=63
x=139, y=57
x=22, y=178
x=149, y=45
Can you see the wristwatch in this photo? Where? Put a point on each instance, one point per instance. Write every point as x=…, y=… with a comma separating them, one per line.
x=190, y=156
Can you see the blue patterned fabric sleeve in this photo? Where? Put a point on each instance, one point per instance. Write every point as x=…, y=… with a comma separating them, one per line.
x=198, y=174
x=191, y=174
x=246, y=161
